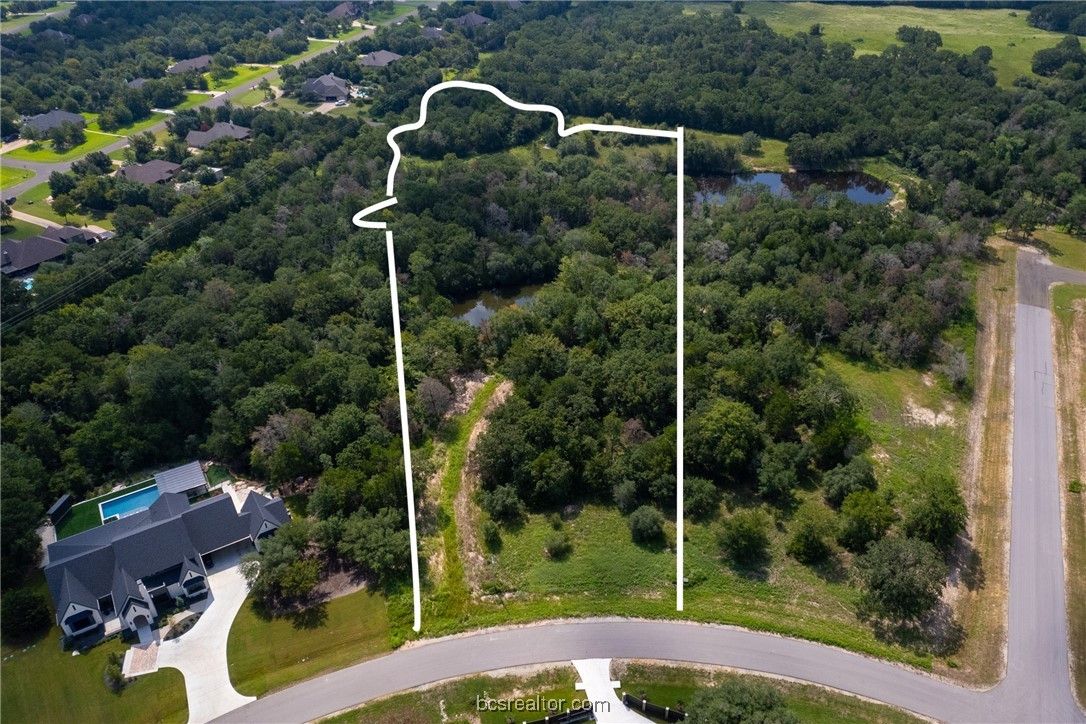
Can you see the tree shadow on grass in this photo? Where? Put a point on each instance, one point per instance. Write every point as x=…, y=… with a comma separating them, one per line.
x=938, y=633
x=311, y=617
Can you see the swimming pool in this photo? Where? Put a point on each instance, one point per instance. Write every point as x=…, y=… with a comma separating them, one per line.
x=129, y=504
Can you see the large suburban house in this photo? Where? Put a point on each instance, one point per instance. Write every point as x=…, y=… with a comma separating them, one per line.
x=471, y=20
x=155, y=171
x=433, y=33
x=201, y=139
x=46, y=122
x=118, y=575
x=379, y=58
x=343, y=11
x=70, y=235
x=20, y=257
x=200, y=62
x=327, y=87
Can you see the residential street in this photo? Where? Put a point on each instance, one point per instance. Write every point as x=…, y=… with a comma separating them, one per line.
x=1037, y=684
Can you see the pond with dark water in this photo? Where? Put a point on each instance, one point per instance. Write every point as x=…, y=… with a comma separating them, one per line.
x=476, y=310
x=859, y=187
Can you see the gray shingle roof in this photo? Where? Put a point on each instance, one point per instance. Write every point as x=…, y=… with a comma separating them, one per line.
x=136, y=83
x=471, y=20
x=343, y=10
x=182, y=478
x=433, y=33
x=379, y=58
x=69, y=234
x=153, y=172
x=325, y=86
x=46, y=122
x=200, y=139
x=24, y=255
x=262, y=509
x=200, y=62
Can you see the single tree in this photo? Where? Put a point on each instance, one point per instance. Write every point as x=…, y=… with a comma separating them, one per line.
x=902, y=578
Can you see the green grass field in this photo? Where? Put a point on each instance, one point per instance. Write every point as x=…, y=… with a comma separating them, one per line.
x=269, y=653
x=86, y=515
x=249, y=98
x=43, y=152
x=314, y=46
x=870, y=29
x=10, y=176
x=291, y=104
x=1063, y=249
x=771, y=158
x=32, y=672
x=33, y=202
x=241, y=74
x=191, y=101
x=16, y=229
x=154, y=118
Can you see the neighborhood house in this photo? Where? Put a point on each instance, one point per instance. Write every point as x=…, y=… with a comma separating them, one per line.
x=155, y=171
x=200, y=62
x=121, y=574
x=379, y=58
x=327, y=87
x=53, y=119
x=201, y=139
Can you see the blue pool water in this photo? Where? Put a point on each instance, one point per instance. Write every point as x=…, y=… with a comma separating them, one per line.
x=129, y=504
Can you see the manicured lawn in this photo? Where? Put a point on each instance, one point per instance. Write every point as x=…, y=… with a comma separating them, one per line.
x=43, y=152
x=269, y=653
x=191, y=101
x=86, y=515
x=16, y=229
x=1069, y=305
x=771, y=157
x=314, y=46
x=241, y=74
x=33, y=202
x=871, y=29
x=217, y=474
x=249, y=98
x=41, y=683
x=10, y=176
x=92, y=124
x=292, y=104
x=1064, y=249
x=668, y=685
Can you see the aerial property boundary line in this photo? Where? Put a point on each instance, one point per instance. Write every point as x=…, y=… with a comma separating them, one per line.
x=360, y=221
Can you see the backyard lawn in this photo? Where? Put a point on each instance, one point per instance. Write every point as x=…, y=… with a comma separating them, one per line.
x=314, y=46
x=870, y=29
x=239, y=75
x=31, y=672
x=268, y=653
x=191, y=101
x=86, y=515
x=33, y=202
x=10, y=176
x=42, y=152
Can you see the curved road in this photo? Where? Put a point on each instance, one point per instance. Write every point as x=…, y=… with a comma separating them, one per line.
x=1036, y=687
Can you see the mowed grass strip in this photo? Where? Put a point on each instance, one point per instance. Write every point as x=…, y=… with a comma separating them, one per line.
x=1069, y=305
x=269, y=652
x=668, y=685
x=130, y=129
x=239, y=75
x=16, y=229
x=871, y=29
x=43, y=152
x=33, y=202
x=41, y=683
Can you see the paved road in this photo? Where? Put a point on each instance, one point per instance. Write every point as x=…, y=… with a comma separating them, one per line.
x=1037, y=684
x=42, y=170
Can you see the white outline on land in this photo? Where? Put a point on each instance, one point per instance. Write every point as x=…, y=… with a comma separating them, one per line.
x=359, y=220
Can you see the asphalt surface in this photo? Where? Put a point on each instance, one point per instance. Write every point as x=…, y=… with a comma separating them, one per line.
x=1036, y=687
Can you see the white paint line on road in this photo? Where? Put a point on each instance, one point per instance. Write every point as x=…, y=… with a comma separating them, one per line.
x=359, y=220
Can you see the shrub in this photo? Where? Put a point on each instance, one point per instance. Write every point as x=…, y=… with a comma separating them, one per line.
x=937, y=513
x=700, y=498
x=492, y=536
x=557, y=545
x=734, y=701
x=23, y=613
x=503, y=503
x=745, y=536
x=858, y=474
x=812, y=530
x=865, y=518
x=902, y=578
x=646, y=524
x=555, y=521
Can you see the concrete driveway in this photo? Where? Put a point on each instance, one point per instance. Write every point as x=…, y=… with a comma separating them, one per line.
x=200, y=654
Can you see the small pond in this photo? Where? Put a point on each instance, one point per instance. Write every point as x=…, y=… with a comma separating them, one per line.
x=476, y=310
x=859, y=187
